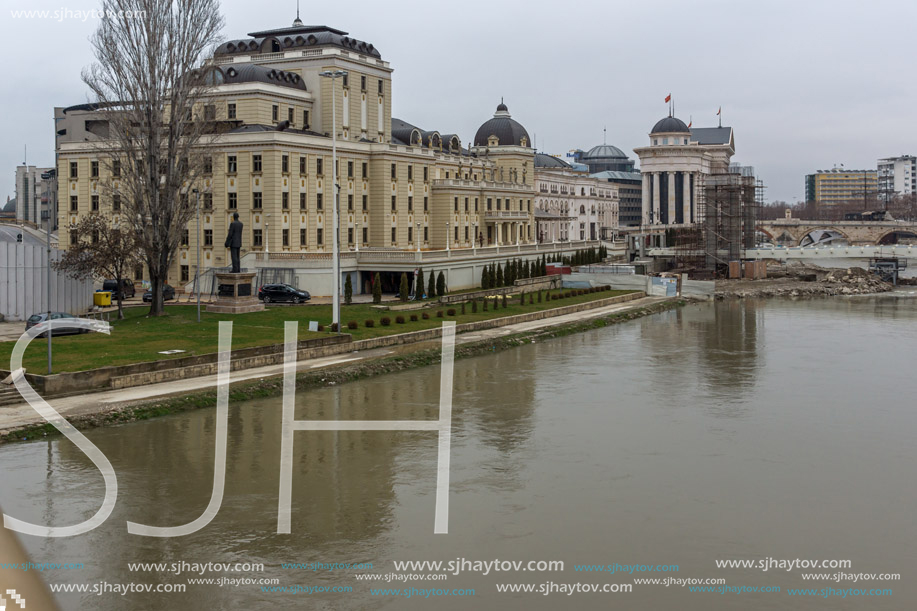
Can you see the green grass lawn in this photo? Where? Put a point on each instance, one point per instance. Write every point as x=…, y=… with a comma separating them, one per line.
x=138, y=338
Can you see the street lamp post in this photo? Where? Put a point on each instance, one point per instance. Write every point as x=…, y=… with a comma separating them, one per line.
x=197, y=268
x=336, y=247
x=267, y=233
x=474, y=239
x=447, y=236
x=357, y=237
x=47, y=176
x=417, y=236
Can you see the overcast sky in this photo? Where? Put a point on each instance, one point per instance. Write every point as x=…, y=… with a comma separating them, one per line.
x=805, y=85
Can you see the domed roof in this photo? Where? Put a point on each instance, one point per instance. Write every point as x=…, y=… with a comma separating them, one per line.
x=670, y=124
x=508, y=131
x=604, y=151
x=549, y=161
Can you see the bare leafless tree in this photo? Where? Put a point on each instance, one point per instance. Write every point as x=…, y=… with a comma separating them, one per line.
x=100, y=249
x=152, y=80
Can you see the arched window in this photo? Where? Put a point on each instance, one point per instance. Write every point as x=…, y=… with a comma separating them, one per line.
x=582, y=209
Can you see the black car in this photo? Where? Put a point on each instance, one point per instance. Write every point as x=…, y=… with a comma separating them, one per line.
x=167, y=293
x=282, y=292
x=37, y=319
x=127, y=288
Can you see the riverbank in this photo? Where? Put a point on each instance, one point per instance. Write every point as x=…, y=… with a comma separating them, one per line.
x=800, y=280
x=20, y=422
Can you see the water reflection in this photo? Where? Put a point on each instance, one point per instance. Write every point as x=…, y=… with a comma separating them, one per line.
x=700, y=433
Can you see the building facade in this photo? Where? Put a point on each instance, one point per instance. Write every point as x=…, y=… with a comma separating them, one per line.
x=630, y=195
x=674, y=167
x=896, y=176
x=34, y=195
x=402, y=188
x=841, y=186
x=571, y=205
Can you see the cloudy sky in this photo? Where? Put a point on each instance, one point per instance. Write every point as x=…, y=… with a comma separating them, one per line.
x=806, y=85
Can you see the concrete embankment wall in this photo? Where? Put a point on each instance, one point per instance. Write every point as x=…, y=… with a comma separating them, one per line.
x=703, y=289
x=197, y=366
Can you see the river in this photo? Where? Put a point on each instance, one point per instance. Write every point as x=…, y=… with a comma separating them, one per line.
x=730, y=431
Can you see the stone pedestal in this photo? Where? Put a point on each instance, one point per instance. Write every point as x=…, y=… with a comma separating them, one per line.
x=236, y=294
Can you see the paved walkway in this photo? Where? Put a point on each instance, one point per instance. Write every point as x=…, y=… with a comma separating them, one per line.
x=18, y=415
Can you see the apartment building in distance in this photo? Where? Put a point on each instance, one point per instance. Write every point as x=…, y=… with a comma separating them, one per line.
x=896, y=176
x=841, y=186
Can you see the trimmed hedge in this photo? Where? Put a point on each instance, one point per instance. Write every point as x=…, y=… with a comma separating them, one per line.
x=385, y=321
x=369, y=323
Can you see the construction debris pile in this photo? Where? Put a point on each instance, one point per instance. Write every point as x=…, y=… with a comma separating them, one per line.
x=801, y=280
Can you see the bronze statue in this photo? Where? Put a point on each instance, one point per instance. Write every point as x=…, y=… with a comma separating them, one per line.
x=234, y=241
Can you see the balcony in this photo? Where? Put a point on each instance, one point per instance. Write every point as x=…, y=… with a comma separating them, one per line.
x=506, y=215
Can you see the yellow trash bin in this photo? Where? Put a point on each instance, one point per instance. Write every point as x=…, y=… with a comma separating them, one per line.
x=102, y=298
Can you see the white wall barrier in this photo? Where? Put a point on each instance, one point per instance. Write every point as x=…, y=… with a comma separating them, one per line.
x=24, y=283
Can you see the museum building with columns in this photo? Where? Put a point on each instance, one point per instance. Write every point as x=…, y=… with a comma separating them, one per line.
x=674, y=167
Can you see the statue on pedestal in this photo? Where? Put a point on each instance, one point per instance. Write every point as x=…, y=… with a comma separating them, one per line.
x=234, y=242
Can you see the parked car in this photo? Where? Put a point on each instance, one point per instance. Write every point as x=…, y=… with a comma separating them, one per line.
x=37, y=319
x=127, y=288
x=282, y=292
x=167, y=293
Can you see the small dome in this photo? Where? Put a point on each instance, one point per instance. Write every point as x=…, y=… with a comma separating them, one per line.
x=508, y=131
x=548, y=161
x=605, y=151
x=670, y=125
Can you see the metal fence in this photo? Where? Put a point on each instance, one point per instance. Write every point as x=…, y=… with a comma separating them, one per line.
x=24, y=283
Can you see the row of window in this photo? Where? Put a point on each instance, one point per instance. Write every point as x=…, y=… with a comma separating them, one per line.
x=232, y=202
x=380, y=84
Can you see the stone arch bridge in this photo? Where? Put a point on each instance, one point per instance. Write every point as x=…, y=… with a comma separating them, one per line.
x=855, y=232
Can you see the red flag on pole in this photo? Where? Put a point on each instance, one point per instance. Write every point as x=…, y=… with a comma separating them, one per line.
x=668, y=98
x=719, y=111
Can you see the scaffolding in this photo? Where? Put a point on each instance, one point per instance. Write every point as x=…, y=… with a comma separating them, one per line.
x=727, y=211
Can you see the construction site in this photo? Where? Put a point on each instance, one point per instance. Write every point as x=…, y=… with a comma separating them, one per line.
x=715, y=247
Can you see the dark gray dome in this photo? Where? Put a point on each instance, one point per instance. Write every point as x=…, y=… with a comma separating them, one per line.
x=508, y=131
x=548, y=161
x=670, y=124
x=605, y=151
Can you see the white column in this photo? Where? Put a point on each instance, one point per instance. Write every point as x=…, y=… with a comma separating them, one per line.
x=655, y=197
x=646, y=203
x=686, y=197
x=671, y=202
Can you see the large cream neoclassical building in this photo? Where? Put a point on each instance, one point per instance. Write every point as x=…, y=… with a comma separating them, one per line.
x=674, y=167
x=571, y=205
x=403, y=187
